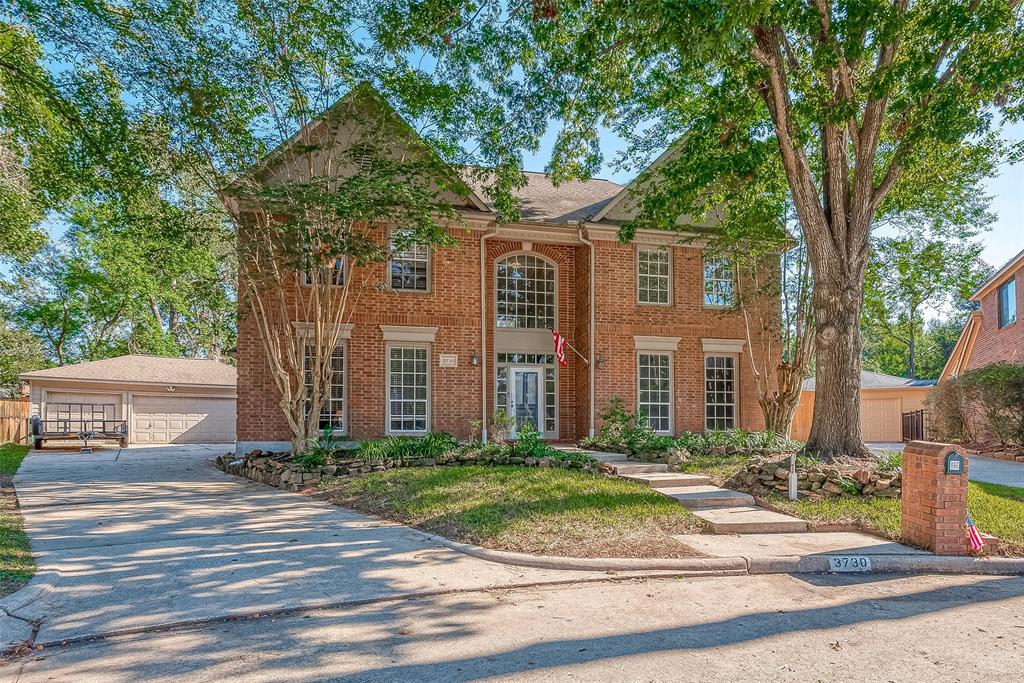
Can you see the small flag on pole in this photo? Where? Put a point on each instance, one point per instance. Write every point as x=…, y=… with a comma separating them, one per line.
x=559, y=348
x=973, y=536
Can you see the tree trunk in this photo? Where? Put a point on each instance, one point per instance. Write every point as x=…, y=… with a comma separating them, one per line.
x=835, y=430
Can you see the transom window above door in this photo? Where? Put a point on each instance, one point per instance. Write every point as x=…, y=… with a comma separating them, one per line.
x=525, y=287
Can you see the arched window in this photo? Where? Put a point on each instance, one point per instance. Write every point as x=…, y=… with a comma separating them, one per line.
x=526, y=292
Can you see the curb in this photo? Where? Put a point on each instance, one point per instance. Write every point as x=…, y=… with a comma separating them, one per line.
x=689, y=565
x=889, y=564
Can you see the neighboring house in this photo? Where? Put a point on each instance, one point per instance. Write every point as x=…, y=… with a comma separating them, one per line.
x=160, y=400
x=456, y=334
x=993, y=333
x=883, y=400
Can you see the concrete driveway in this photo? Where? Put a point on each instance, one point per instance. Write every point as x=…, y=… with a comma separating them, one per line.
x=145, y=537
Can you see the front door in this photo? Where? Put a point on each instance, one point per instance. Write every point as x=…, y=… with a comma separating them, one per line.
x=525, y=398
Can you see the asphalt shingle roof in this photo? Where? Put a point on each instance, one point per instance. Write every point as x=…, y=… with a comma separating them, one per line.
x=876, y=380
x=149, y=369
x=540, y=201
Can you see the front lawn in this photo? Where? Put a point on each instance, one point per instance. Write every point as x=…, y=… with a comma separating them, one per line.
x=720, y=468
x=548, y=511
x=996, y=509
x=16, y=565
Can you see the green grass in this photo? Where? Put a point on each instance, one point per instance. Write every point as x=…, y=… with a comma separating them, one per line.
x=16, y=565
x=534, y=510
x=718, y=467
x=996, y=509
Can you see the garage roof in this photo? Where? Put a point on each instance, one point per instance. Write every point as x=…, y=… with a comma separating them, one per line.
x=876, y=380
x=144, y=369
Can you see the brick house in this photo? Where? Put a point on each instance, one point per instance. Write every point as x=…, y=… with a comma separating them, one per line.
x=456, y=334
x=993, y=333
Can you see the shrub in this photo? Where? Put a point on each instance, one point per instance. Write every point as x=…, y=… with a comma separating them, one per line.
x=501, y=426
x=630, y=431
x=889, y=461
x=529, y=443
x=317, y=453
x=988, y=400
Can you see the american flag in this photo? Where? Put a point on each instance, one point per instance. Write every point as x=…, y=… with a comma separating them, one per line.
x=559, y=348
x=973, y=537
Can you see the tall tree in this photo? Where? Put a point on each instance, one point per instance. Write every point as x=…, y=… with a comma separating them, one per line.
x=862, y=107
x=911, y=275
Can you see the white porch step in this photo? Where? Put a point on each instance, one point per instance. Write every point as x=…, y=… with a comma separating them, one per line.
x=702, y=497
x=748, y=519
x=663, y=480
x=624, y=468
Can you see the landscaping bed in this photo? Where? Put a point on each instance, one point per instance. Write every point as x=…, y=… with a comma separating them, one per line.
x=544, y=511
x=16, y=564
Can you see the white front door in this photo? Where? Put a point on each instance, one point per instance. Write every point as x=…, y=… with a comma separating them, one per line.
x=525, y=398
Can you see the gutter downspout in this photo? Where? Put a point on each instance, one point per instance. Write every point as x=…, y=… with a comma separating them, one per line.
x=593, y=327
x=483, y=332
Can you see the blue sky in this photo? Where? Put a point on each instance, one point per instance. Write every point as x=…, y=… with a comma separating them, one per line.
x=1002, y=242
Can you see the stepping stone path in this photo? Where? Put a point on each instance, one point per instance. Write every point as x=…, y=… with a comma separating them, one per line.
x=727, y=511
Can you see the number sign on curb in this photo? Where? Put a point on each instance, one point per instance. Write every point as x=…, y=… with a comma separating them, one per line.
x=849, y=563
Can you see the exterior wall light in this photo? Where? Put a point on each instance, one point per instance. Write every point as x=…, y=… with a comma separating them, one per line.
x=474, y=359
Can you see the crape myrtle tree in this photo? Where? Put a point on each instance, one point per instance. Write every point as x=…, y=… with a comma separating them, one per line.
x=862, y=108
x=242, y=85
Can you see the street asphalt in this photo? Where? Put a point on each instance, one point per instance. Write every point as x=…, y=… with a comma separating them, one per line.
x=734, y=628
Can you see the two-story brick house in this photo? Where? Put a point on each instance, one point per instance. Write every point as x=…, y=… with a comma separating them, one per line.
x=993, y=333
x=456, y=334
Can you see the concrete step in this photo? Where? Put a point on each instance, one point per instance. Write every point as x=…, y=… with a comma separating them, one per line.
x=608, y=457
x=625, y=468
x=701, y=497
x=748, y=519
x=663, y=480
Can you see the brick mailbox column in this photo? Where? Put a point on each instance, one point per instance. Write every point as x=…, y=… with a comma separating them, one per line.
x=934, y=503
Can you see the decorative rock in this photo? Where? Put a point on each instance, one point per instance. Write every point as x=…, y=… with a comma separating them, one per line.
x=781, y=473
x=832, y=487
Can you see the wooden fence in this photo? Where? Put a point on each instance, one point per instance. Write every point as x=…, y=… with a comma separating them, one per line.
x=13, y=420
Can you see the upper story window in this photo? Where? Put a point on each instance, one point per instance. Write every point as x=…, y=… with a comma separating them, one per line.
x=337, y=274
x=719, y=278
x=525, y=286
x=410, y=264
x=1008, y=303
x=653, y=275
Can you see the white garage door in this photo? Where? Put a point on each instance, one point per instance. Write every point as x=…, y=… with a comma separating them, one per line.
x=880, y=419
x=182, y=419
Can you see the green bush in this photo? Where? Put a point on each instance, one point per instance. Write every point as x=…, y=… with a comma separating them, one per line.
x=981, y=402
x=317, y=453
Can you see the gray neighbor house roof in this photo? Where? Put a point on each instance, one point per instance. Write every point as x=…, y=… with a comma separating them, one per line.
x=144, y=369
x=876, y=380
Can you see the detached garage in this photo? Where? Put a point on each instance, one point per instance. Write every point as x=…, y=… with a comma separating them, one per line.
x=147, y=399
x=883, y=400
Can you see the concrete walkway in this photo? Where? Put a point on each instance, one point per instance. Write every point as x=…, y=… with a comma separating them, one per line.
x=154, y=536
x=996, y=471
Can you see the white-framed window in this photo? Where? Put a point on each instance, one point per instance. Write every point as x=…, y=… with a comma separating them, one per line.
x=719, y=392
x=525, y=287
x=408, y=389
x=505, y=361
x=337, y=274
x=1008, y=303
x=654, y=384
x=654, y=275
x=719, y=279
x=410, y=264
x=332, y=412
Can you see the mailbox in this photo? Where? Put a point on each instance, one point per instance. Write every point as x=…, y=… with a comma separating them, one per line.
x=954, y=463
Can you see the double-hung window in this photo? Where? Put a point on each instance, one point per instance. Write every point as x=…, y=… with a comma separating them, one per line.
x=337, y=272
x=719, y=278
x=654, y=380
x=332, y=412
x=410, y=264
x=720, y=392
x=654, y=276
x=408, y=389
x=1008, y=303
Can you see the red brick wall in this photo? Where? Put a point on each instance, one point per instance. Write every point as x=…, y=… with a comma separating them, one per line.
x=934, y=503
x=994, y=344
x=453, y=306
x=620, y=317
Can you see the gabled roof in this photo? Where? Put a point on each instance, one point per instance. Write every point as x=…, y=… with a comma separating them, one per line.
x=961, y=356
x=541, y=201
x=1010, y=267
x=144, y=369
x=877, y=380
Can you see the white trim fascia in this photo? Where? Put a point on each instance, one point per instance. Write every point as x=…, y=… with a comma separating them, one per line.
x=606, y=232
x=997, y=278
x=625, y=191
x=121, y=382
x=407, y=333
x=723, y=345
x=305, y=329
x=663, y=344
